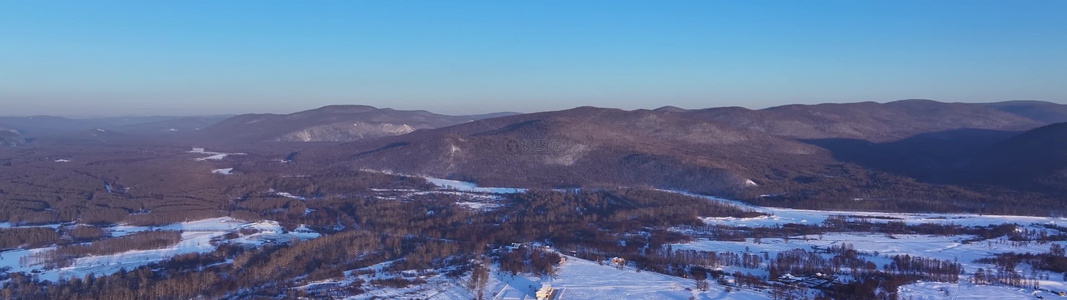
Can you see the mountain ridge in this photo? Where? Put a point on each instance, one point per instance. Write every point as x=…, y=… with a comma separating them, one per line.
x=705, y=151
x=334, y=123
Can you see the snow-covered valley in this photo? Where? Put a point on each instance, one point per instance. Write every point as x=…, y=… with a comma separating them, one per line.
x=199, y=236
x=579, y=276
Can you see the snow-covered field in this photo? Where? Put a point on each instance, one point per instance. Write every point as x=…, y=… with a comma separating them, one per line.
x=950, y=248
x=781, y=216
x=196, y=237
x=577, y=279
x=436, y=286
x=478, y=206
x=583, y=279
x=287, y=195
x=9, y=225
x=939, y=247
x=966, y=291
x=474, y=197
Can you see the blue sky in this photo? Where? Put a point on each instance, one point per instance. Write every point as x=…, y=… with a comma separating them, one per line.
x=456, y=57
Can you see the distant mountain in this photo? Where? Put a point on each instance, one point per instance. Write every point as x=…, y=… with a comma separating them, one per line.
x=921, y=139
x=153, y=126
x=1047, y=112
x=586, y=146
x=38, y=126
x=670, y=109
x=330, y=123
x=908, y=150
x=9, y=137
x=492, y=115
x=179, y=125
x=868, y=121
x=97, y=135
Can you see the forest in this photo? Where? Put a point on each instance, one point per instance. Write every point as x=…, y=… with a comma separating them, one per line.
x=369, y=219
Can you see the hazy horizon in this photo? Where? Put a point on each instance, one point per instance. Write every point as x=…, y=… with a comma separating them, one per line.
x=104, y=58
x=456, y=114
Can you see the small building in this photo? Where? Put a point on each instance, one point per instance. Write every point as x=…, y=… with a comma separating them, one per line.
x=789, y=278
x=546, y=292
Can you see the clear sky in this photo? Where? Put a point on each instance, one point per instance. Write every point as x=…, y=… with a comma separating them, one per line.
x=91, y=57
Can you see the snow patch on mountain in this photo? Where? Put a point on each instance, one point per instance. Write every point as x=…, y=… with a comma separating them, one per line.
x=213, y=155
x=471, y=187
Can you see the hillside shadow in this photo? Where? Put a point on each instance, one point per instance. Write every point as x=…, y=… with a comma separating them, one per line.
x=509, y=128
x=935, y=157
x=383, y=148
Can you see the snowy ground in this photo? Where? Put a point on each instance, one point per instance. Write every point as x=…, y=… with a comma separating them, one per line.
x=478, y=206
x=583, y=279
x=587, y=280
x=965, y=291
x=940, y=247
x=577, y=279
x=196, y=237
x=9, y=225
x=473, y=197
x=949, y=248
x=781, y=216
x=436, y=286
x=287, y=195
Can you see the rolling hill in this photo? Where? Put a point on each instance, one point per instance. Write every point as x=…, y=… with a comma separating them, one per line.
x=1042, y=111
x=869, y=121
x=152, y=126
x=170, y=126
x=9, y=137
x=583, y=146
x=328, y=124
x=1035, y=160
x=795, y=154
